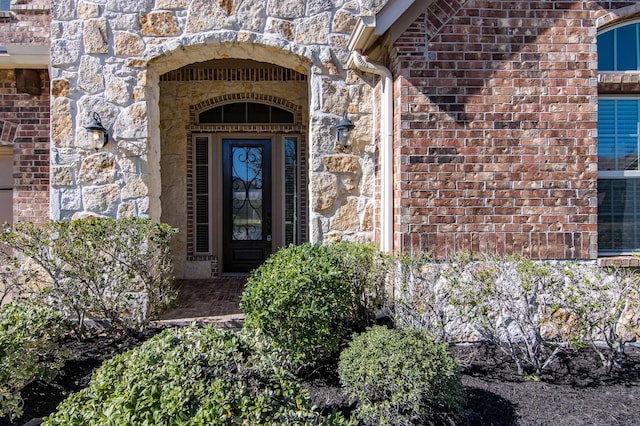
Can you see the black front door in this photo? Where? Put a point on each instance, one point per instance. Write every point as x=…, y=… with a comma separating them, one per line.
x=246, y=203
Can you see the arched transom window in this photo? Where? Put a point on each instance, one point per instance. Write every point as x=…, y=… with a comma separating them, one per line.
x=246, y=113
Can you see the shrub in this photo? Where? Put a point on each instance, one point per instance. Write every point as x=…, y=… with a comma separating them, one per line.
x=365, y=270
x=603, y=308
x=193, y=376
x=9, y=276
x=532, y=310
x=305, y=297
x=425, y=294
x=29, y=350
x=399, y=376
x=120, y=270
x=513, y=303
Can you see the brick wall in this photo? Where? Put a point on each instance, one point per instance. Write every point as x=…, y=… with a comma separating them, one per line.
x=27, y=23
x=24, y=123
x=496, y=111
x=24, y=110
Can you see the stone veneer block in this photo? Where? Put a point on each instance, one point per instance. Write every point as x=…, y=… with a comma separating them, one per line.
x=341, y=163
x=98, y=169
x=324, y=191
x=158, y=24
x=87, y=10
x=206, y=15
x=127, y=44
x=90, y=75
x=95, y=36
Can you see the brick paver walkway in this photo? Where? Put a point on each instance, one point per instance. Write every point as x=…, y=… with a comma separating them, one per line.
x=215, y=300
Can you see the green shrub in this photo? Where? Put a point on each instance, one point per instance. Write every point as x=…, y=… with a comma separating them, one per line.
x=399, y=376
x=29, y=350
x=193, y=376
x=120, y=270
x=365, y=271
x=304, y=297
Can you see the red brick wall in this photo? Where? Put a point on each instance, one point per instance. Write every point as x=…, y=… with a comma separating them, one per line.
x=28, y=23
x=24, y=123
x=24, y=118
x=496, y=118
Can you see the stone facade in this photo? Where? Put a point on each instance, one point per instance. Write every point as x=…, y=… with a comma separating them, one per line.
x=110, y=56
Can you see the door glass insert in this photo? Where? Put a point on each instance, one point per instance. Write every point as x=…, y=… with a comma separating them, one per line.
x=246, y=198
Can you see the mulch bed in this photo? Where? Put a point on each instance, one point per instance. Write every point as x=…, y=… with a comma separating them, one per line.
x=576, y=390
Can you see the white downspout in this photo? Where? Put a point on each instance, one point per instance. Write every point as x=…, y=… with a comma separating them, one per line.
x=386, y=151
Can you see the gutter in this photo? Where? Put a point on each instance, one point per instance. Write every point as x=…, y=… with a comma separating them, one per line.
x=358, y=61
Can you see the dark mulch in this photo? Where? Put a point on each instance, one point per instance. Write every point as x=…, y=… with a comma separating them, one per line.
x=576, y=391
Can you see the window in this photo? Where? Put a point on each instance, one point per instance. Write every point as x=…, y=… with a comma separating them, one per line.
x=246, y=113
x=201, y=194
x=5, y=5
x=618, y=146
x=6, y=183
x=618, y=49
x=291, y=192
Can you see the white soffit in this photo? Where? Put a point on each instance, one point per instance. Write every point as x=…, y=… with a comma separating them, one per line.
x=396, y=16
x=25, y=56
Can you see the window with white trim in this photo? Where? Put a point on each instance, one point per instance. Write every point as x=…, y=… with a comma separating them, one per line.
x=619, y=146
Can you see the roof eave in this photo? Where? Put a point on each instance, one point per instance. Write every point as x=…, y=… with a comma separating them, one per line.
x=25, y=56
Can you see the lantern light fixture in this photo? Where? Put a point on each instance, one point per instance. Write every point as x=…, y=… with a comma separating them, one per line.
x=343, y=131
x=97, y=132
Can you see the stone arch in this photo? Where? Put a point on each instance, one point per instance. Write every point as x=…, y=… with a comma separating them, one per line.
x=613, y=17
x=190, y=50
x=227, y=45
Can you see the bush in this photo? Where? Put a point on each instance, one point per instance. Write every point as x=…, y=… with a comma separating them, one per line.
x=513, y=303
x=193, y=376
x=532, y=310
x=305, y=297
x=365, y=270
x=425, y=294
x=29, y=350
x=9, y=276
x=399, y=376
x=603, y=309
x=120, y=270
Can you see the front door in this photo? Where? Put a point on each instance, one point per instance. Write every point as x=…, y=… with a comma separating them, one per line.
x=247, y=194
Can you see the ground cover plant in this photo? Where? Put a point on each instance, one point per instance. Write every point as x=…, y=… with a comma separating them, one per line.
x=30, y=349
x=194, y=376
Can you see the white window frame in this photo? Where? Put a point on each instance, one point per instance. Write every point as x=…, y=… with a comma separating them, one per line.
x=620, y=174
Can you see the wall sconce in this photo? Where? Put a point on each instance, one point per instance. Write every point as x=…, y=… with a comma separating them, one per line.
x=343, y=131
x=97, y=132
